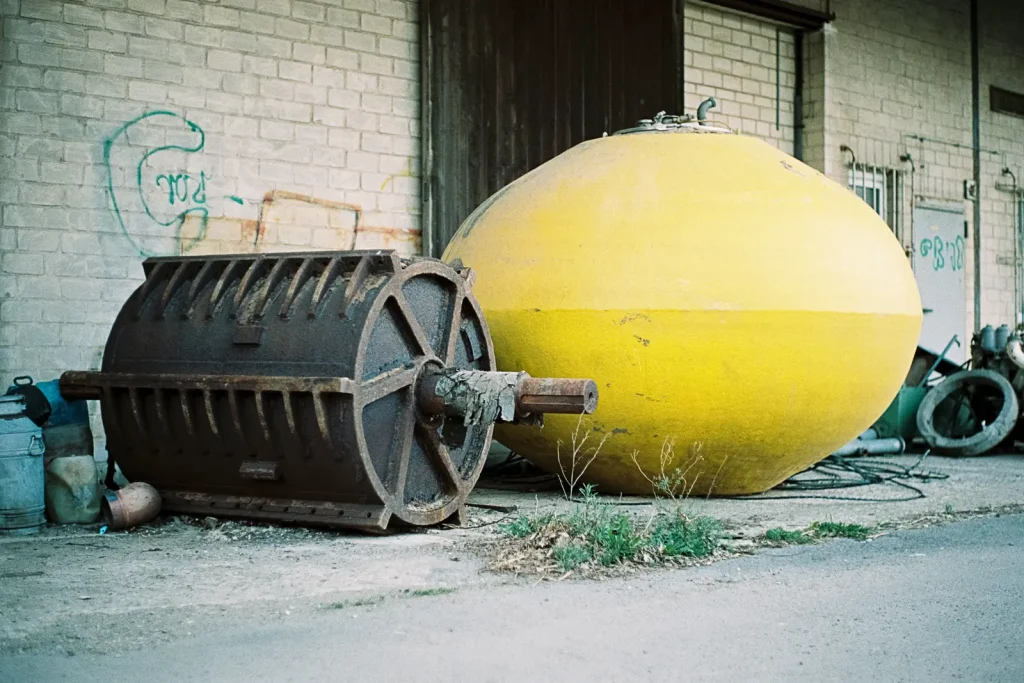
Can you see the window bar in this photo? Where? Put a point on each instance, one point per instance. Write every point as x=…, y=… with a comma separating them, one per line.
x=879, y=191
x=874, y=187
x=897, y=183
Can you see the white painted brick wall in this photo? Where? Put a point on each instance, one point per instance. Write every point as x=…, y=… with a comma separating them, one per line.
x=898, y=69
x=732, y=58
x=1002, y=64
x=316, y=99
x=882, y=71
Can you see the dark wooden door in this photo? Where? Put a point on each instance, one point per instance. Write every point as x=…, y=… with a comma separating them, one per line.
x=509, y=84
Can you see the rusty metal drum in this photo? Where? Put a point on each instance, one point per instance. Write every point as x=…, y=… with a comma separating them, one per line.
x=281, y=386
x=352, y=389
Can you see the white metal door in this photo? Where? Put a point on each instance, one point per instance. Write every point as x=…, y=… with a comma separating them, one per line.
x=939, y=251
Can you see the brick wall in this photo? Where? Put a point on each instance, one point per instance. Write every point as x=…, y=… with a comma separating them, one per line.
x=885, y=79
x=895, y=73
x=1001, y=64
x=739, y=61
x=154, y=127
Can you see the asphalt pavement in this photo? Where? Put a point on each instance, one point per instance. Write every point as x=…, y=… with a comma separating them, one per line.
x=937, y=604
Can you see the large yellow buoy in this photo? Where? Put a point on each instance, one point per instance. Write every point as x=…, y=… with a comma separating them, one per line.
x=742, y=314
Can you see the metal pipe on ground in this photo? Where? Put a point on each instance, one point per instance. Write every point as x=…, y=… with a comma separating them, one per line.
x=889, y=446
x=870, y=434
x=137, y=503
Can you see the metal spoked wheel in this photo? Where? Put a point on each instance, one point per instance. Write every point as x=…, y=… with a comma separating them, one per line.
x=423, y=466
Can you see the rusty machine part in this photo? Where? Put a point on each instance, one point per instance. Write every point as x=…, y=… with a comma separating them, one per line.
x=350, y=389
x=136, y=503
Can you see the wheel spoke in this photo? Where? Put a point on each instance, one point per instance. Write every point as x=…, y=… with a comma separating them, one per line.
x=404, y=449
x=414, y=325
x=438, y=452
x=453, y=333
x=384, y=385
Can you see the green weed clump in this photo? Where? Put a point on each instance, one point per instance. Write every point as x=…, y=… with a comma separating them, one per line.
x=572, y=555
x=424, y=592
x=595, y=532
x=840, y=530
x=680, y=536
x=520, y=527
x=815, y=531
x=358, y=602
x=780, y=535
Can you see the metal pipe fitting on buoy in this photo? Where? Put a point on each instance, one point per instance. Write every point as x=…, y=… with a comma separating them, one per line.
x=702, y=110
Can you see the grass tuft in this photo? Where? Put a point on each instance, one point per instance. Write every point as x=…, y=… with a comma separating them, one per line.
x=785, y=536
x=572, y=555
x=520, y=527
x=358, y=602
x=595, y=534
x=680, y=536
x=423, y=592
x=840, y=530
x=815, y=531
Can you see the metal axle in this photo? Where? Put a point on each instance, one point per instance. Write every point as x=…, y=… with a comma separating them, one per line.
x=481, y=396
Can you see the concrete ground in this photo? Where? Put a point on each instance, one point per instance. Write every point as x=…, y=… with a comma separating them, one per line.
x=994, y=481
x=71, y=598
x=937, y=604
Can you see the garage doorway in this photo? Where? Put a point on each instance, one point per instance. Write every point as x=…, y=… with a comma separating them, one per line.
x=509, y=84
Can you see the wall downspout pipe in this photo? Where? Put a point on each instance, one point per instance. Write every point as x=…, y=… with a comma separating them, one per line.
x=798, y=96
x=976, y=139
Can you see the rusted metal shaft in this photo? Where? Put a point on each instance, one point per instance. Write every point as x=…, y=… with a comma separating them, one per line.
x=482, y=396
x=550, y=395
x=77, y=385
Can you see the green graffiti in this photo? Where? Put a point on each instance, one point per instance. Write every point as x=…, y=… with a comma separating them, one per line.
x=180, y=189
x=177, y=187
x=179, y=219
x=948, y=254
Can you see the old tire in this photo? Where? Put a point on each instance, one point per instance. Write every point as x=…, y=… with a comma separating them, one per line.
x=995, y=430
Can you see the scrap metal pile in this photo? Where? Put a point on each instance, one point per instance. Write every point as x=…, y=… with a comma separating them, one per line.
x=346, y=389
x=976, y=411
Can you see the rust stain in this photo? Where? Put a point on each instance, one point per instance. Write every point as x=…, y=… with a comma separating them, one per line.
x=290, y=220
x=273, y=195
x=250, y=229
x=390, y=231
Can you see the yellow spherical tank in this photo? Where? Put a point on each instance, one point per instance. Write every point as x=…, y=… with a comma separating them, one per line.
x=742, y=314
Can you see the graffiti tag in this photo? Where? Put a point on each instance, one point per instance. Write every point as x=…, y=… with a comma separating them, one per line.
x=174, y=194
x=178, y=186
x=947, y=254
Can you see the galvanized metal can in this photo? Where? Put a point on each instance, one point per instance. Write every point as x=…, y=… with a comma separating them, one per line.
x=22, y=500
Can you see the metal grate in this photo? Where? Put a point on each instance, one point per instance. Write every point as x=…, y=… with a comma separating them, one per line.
x=882, y=188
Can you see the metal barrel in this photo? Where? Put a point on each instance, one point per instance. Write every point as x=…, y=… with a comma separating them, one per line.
x=285, y=387
x=21, y=469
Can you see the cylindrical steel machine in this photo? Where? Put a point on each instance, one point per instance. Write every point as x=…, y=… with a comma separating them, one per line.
x=331, y=388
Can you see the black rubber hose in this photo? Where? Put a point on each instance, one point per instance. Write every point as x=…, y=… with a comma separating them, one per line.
x=990, y=436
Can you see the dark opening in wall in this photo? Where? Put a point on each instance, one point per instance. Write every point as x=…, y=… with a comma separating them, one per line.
x=1006, y=102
